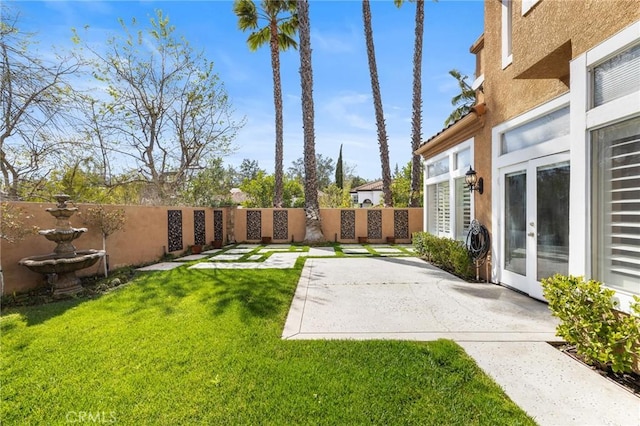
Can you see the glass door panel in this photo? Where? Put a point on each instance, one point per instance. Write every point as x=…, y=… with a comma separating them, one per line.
x=552, y=214
x=515, y=233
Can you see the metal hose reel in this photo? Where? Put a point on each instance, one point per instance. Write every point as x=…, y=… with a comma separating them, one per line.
x=478, y=244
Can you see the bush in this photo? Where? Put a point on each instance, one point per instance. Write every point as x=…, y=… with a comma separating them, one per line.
x=450, y=255
x=589, y=320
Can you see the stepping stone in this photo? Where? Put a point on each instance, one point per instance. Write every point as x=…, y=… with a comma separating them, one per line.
x=190, y=258
x=355, y=250
x=163, y=266
x=277, y=247
x=225, y=257
x=388, y=250
x=254, y=257
x=321, y=251
x=212, y=251
x=240, y=250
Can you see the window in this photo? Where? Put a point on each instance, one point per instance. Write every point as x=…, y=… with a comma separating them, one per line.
x=615, y=209
x=440, y=211
x=507, y=56
x=540, y=130
x=463, y=209
x=448, y=202
x=438, y=168
x=527, y=5
x=617, y=77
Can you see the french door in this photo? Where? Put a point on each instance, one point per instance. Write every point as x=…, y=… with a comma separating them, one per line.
x=534, y=240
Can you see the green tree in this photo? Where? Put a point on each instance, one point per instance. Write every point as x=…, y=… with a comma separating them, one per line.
x=383, y=140
x=339, y=175
x=259, y=190
x=211, y=186
x=281, y=22
x=463, y=101
x=107, y=221
x=313, y=225
x=324, y=170
x=416, y=117
x=167, y=105
x=249, y=169
x=401, y=187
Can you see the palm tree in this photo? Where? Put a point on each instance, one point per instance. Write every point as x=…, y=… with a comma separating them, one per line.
x=416, y=118
x=278, y=32
x=377, y=105
x=463, y=101
x=313, y=226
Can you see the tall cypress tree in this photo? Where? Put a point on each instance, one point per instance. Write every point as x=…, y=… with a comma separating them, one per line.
x=339, y=176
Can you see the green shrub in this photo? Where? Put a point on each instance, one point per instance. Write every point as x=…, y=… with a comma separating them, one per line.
x=450, y=255
x=589, y=320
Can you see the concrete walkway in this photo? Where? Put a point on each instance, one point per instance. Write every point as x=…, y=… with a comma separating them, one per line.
x=505, y=332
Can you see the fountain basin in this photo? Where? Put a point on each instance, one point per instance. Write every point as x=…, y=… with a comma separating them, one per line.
x=62, y=235
x=65, y=282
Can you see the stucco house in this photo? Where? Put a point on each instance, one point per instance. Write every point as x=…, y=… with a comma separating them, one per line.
x=367, y=195
x=555, y=136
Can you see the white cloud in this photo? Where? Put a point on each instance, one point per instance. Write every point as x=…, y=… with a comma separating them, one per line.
x=333, y=42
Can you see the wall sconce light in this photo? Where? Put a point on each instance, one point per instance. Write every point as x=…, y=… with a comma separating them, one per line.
x=473, y=182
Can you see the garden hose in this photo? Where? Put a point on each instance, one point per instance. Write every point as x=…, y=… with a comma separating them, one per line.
x=478, y=242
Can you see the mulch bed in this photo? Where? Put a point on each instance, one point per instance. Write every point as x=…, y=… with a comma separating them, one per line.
x=629, y=381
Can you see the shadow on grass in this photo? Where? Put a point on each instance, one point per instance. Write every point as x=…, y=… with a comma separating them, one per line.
x=254, y=293
x=38, y=314
x=259, y=293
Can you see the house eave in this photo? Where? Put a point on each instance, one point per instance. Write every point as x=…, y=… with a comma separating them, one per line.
x=458, y=132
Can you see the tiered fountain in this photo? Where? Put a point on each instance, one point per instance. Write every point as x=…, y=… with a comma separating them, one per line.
x=62, y=264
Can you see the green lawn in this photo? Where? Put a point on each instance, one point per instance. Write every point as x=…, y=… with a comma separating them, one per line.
x=203, y=346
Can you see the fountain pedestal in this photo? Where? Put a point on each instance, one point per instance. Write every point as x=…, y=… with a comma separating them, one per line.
x=61, y=265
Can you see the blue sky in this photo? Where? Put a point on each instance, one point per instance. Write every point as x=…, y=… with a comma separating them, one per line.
x=342, y=88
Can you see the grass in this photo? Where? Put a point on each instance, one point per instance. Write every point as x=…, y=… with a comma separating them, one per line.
x=203, y=346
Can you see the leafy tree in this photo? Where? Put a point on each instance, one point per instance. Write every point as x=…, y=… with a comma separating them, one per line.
x=383, y=140
x=401, y=186
x=463, y=101
x=313, y=226
x=211, y=186
x=249, y=169
x=339, y=175
x=416, y=117
x=166, y=103
x=107, y=222
x=260, y=191
x=281, y=22
x=36, y=103
x=324, y=170
x=12, y=223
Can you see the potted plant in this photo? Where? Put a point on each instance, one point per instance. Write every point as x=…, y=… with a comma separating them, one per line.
x=266, y=240
x=196, y=249
x=217, y=244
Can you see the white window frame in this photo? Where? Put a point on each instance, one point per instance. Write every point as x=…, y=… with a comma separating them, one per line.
x=451, y=177
x=583, y=121
x=507, y=33
x=498, y=161
x=527, y=5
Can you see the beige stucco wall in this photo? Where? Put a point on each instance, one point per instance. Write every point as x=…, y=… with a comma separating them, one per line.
x=144, y=238
x=546, y=27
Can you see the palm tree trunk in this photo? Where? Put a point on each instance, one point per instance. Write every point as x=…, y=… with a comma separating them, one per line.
x=313, y=226
x=377, y=104
x=277, y=98
x=416, y=119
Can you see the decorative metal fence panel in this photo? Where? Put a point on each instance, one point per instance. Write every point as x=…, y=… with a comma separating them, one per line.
x=174, y=223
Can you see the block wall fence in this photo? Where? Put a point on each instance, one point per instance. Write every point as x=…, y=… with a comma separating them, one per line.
x=151, y=231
